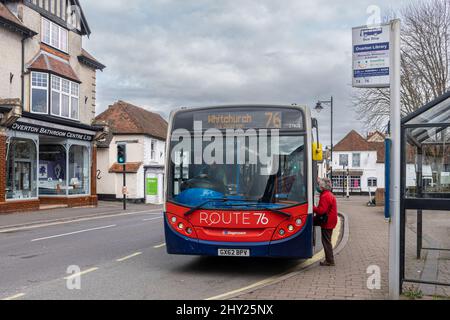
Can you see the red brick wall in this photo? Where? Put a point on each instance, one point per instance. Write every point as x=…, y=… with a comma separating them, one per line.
x=19, y=206
x=70, y=201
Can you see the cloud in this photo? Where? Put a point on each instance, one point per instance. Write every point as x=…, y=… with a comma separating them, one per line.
x=163, y=54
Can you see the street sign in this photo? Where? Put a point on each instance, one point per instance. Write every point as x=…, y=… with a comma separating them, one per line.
x=371, y=57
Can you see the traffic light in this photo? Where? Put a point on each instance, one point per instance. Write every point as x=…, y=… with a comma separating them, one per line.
x=121, y=153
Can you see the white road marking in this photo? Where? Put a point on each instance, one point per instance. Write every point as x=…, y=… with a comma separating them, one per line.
x=55, y=223
x=151, y=219
x=78, y=274
x=75, y=232
x=160, y=245
x=17, y=296
x=129, y=257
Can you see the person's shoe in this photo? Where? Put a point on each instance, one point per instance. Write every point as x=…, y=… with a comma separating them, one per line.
x=327, y=264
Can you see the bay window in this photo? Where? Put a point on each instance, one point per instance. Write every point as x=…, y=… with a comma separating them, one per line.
x=65, y=98
x=39, y=92
x=54, y=35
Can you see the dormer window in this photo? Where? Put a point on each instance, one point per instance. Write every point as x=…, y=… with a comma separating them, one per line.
x=54, y=35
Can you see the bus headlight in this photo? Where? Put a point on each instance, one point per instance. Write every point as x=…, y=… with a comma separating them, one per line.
x=174, y=219
x=281, y=232
x=290, y=227
x=188, y=230
x=298, y=222
x=180, y=226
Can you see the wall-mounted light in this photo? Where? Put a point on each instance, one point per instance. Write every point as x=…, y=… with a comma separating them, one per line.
x=11, y=77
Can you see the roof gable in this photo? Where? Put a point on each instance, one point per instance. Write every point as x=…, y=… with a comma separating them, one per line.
x=353, y=141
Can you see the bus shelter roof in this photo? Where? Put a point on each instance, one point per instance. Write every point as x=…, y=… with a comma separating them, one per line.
x=429, y=124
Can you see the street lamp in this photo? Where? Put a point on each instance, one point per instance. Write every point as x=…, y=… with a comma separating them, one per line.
x=319, y=107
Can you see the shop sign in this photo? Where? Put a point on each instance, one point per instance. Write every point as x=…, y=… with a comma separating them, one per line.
x=53, y=132
x=152, y=186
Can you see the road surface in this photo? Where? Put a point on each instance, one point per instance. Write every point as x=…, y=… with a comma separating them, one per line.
x=119, y=257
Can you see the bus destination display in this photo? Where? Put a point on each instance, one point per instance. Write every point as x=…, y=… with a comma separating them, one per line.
x=264, y=118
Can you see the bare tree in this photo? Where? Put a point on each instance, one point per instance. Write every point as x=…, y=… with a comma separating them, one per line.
x=425, y=62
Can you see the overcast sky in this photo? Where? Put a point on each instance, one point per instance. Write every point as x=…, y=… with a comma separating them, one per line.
x=163, y=54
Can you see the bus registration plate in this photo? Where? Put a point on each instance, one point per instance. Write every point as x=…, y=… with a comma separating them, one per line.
x=234, y=252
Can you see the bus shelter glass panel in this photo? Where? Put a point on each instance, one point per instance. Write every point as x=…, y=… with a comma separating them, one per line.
x=79, y=178
x=428, y=162
x=52, y=170
x=21, y=182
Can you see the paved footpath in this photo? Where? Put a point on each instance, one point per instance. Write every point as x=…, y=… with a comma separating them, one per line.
x=367, y=245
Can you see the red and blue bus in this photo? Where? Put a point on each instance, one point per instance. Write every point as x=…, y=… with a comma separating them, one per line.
x=239, y=181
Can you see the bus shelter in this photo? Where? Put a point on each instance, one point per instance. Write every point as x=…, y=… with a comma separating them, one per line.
x=425, y=199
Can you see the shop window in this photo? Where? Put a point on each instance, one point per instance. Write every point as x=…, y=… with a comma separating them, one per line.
x=21, y=170
x=79, y=178
x=52, y=170
x=39, y=92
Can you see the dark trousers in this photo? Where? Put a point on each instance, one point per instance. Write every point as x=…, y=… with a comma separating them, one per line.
x=327, y=246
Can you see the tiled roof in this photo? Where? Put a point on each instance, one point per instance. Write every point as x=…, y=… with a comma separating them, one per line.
x=8, y=19
x=44, y=62
x=125, y=118
x=90, y=61
x=353, y=141
x=130, y=167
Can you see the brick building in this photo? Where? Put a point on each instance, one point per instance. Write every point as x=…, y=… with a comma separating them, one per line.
x=47, y=106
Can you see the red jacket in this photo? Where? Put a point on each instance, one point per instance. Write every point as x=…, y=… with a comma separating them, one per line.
x=327, y=205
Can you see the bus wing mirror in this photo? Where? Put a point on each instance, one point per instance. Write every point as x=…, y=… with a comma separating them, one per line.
x=317, y=151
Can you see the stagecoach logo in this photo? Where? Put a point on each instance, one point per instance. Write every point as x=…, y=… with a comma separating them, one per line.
x=234, y=233
x=234, y=146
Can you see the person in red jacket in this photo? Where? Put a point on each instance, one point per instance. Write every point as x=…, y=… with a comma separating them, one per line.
x=326, y=217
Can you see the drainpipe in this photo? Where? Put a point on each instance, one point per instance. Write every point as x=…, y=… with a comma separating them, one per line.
x=23, y=73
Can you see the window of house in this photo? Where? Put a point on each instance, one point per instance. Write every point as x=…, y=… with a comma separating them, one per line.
x=343, y=159
x=54, y=35
x=356, y=160
x=21, y=182
x=39, y=92
x=153, y=150
x=79, y=170
x=372, y=182
x=65, y=98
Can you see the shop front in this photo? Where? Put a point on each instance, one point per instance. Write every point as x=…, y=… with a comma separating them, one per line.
x=48, y=164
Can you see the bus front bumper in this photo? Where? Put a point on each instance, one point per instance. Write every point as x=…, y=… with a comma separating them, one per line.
x=299, y=246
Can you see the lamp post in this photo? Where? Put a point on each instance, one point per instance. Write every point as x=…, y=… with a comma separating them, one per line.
x=319, y=107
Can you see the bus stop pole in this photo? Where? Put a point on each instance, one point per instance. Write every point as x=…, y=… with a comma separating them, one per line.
x=395, y=120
